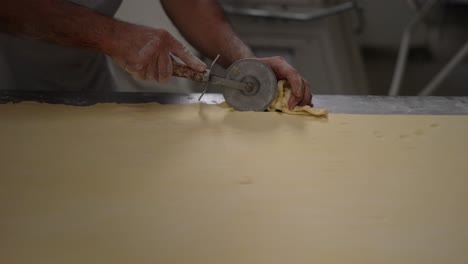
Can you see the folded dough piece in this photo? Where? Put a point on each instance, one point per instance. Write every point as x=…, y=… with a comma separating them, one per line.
x=281, y=103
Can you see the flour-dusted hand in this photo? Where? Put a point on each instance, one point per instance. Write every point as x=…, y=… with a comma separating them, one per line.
x=301, y=94
x=145, y=53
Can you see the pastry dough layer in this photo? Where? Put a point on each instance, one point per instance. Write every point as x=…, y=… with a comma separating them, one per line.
x=201, y=184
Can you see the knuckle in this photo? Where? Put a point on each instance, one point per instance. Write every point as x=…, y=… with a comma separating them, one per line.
x=187, y=51
x=279, y=58
x=164, y=72
x=164, y=34
x=294, y=79
x=138, y=67
x=137, y=75
x=293, y=73
x=163, y=79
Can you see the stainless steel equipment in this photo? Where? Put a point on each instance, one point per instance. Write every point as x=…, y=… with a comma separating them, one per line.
x=401, y=105
x=423, y=10
x=315, y=36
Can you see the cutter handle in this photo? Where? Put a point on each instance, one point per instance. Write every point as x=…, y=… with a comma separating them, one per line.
x=183, y=71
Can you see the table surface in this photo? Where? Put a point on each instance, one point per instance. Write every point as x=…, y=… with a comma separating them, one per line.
x=405, y=105
x=201, y=184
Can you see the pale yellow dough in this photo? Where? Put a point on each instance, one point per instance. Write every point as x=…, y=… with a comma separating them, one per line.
x=201, y=184
x=281, y=103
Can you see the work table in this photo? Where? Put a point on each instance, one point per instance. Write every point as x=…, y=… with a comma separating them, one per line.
x=201, y=184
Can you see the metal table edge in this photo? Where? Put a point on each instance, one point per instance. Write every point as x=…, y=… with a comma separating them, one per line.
x=339, y=104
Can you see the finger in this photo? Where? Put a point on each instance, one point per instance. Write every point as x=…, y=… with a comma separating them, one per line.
x=156, y=68
x=295, y=81
x=151, y=69
x=122, y=63
x=137, y=72
x=187, y=57
x=164, y=67
x=126, y=67
x=307, y=97
x=294, y=101
x=297, y=90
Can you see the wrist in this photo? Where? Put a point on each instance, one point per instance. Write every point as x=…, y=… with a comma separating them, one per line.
x=241, y=52
x=114, y=39
x=236, y=50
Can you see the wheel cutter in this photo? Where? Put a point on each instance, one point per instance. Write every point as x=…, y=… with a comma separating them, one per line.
x=249, y=85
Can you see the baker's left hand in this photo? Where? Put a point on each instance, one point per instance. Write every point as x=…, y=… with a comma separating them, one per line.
x=301, y=94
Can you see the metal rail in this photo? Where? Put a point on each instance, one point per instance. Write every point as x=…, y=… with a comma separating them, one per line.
x=289, y=15
x=382, y=105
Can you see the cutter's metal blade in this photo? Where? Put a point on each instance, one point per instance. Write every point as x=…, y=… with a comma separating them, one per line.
x=262, y=90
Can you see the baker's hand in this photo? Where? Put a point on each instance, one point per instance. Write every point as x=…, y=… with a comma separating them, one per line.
x=145, y=53
x=301, y=94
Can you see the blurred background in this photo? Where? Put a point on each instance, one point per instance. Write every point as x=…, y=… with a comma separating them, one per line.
x=340, y=46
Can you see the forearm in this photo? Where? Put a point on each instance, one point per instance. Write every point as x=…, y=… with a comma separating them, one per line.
x=204, y=25
x=202, y=22
x=60, y=22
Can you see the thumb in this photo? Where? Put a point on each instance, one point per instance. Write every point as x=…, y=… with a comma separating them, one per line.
x=183, y=53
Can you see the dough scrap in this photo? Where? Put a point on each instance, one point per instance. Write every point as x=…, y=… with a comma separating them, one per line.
x=281, y=103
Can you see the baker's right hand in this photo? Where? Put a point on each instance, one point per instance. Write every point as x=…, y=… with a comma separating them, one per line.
x=145, y=53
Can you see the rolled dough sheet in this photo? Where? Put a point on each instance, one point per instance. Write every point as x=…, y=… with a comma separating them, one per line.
x=202, y=184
